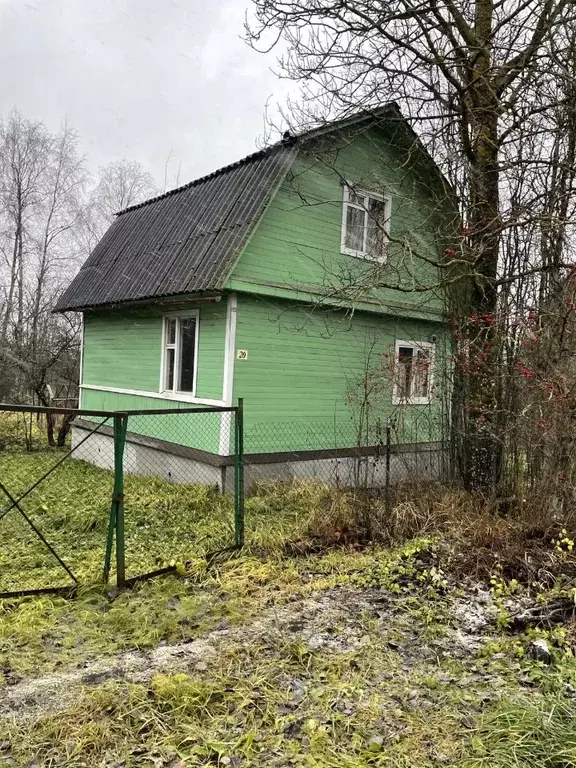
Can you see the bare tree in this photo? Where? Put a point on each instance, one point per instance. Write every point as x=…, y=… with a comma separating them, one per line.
x=120, y=184
x=23, y=149
x=59, y=215
x=49, y=219
x=43, y=181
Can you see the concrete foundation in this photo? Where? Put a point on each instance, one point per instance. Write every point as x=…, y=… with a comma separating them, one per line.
x=350, y=471
x=178, y=464
x=144, y=456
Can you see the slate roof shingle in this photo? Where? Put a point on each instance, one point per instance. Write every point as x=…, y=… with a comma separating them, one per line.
x=182, y=241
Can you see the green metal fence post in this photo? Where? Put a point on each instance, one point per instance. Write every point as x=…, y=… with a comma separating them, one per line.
x=120, y=428
x=111, y=523
x=239, y=474
x=109, y=541
x=116, y=521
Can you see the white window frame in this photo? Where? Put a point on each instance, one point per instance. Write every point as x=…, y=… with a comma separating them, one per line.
x=175, y=392
x=415, y=345
x=348, y=187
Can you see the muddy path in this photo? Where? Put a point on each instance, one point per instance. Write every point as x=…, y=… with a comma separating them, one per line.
x=333, y=621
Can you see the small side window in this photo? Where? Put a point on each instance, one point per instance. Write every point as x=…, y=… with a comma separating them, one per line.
x=180, y=352
x=365, y=224
x=413, y=372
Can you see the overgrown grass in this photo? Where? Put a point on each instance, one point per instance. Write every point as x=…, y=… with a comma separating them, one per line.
x=535, y=732
x=164, y=522
x=242, y=713
x=171, y=523
x=264, y=705
x=279, y=701
x=523, y=540
x=179, y=523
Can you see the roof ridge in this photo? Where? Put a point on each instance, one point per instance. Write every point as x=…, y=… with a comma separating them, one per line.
x=202, y=179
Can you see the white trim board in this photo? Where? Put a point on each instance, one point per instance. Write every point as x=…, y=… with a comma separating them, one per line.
x=228, y=373
x=229, y=348
x=81, y=372
x=178, y=398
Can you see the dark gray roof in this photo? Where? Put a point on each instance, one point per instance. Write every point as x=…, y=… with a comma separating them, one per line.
x=182, y=241
x=186, y=240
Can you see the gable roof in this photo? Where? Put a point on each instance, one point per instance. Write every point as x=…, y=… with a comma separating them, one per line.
x=187, y=240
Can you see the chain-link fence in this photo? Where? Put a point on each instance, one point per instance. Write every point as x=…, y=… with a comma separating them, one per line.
x=86, y=495
x=407, y=446
x=128, y=494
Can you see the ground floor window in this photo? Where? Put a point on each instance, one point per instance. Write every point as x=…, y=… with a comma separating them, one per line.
x=413, y=372
x=180, y=353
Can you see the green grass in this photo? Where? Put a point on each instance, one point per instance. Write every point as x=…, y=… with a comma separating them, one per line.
x=244, y=711
x=165, y=523
x=72, y=506
x=282, y=704
x=535, y=732
x=398, y=696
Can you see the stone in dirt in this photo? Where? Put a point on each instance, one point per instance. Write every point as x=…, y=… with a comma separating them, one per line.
x=376, y=743
x=539, y=651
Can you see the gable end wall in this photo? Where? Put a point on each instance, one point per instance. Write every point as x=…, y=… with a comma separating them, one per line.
x=297, y=244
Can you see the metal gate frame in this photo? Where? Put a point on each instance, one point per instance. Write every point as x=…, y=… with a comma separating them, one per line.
x=115, y=531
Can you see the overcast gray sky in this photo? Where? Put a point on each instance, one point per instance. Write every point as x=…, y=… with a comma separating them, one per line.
x=139, y=78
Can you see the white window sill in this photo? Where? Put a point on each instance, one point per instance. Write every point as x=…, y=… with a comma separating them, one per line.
x=179, y=398
x=363, y=256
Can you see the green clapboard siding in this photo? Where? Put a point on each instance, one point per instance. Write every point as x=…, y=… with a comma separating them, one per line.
x=123, y=348
x=201, y=431
x=297, y=243
x=302, y=382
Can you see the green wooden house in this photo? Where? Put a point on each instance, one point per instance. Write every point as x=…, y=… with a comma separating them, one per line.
x=302, y=279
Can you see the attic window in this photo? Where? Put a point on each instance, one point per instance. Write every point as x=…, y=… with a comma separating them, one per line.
x=413, y=372
x=365, y=223
x=180, y=353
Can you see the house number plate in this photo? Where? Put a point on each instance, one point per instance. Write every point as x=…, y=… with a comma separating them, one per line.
x=241, y=354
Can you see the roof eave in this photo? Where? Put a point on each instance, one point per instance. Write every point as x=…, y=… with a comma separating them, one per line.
x=196, y=296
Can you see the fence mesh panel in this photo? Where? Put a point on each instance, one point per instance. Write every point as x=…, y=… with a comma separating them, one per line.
x=147, y=489
x=125, y=493
x=51, y=505
x=174, y=509
x=405, y=446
